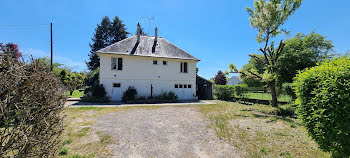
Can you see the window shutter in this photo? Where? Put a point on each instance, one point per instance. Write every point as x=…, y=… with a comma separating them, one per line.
x=120, y=63
x=185, y=67
x=113, y=63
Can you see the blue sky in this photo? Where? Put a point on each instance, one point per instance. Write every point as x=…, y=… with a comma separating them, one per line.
x=217, y=32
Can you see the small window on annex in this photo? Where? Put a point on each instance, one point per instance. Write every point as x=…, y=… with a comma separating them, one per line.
x=185, y=85
x=116, y=85
x=180, y=85
x=155, y=62
x=165, y=63
x=189, y=86
x=176, y=86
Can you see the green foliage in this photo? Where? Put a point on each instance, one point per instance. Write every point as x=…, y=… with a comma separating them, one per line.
x=92, y=78
x=300, y=52
x=241, y=90
x=71, y=80
x=106, y=33
x=98, y=91
x=253, y=66
x=270, y=15
x=63, y=151
x=224, y=92
x=129, y=94
x=323, y=98
x=287, y=89
x=167, y=96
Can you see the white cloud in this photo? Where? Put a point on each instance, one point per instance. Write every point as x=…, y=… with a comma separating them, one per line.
x=73, y=64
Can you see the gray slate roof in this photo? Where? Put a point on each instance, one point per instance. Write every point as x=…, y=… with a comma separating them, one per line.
x=147, y=47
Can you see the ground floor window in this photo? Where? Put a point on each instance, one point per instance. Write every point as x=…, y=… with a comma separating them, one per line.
x=183, y=86
x=117, y=85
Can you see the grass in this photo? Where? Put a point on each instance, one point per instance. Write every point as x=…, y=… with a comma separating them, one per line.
x=267, y=96
x=76, y=94
x=257, y=131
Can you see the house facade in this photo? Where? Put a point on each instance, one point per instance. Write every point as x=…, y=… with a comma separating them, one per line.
x=151, y=64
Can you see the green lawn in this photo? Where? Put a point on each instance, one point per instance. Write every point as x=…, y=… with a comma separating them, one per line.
x=257, y=131
x=76, y=94
x=267, y=96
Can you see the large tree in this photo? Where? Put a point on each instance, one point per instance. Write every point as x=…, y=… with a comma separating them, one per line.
x=267, y=17
x=300, y=52
x=106, y=33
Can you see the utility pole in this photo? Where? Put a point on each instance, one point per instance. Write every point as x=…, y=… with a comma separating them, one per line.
x=51, y=47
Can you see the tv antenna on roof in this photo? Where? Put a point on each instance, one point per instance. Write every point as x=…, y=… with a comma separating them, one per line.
x=149, y=22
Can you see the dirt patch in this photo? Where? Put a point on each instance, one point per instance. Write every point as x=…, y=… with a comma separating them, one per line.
x=162, y=132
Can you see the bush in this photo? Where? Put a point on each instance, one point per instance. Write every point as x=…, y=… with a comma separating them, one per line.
x=31, y=102
x=241, y=90
x=98, y=91
x=167, y=96
x=129, y=94
x=224, y=92
x=172, y=96
x=287, y=89
x=91, y=99
x=323, y=98
x=285, y=110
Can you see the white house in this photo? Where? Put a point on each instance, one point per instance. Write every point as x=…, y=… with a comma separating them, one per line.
x=234, y=80
x=151, y=64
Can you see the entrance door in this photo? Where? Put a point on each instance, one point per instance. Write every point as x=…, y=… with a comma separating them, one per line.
x=116, y=92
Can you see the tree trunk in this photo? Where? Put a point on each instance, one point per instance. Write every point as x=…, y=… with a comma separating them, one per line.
x=272, y=85
x=71, y=92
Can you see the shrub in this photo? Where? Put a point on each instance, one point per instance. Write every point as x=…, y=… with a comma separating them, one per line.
x=167, y=96
x=129, y=94
x=91, y=99
x=241, y=90
x=98, y=91
x=224, y=92
x=323, y=98
x=31, y=102
x=172, y=96
x=285, y=110
x=287, y=89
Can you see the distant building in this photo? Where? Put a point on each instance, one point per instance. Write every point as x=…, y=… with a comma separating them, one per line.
x=234, y=80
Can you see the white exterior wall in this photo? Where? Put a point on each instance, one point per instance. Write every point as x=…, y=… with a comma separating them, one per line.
x=140, y=72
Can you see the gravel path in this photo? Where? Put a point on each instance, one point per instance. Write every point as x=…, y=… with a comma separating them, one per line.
x=163, y=132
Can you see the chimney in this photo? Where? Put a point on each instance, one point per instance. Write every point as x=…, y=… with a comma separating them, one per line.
x=138, y=32
x=156, y=34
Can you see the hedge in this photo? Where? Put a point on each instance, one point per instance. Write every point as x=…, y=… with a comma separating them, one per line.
x=323, y=98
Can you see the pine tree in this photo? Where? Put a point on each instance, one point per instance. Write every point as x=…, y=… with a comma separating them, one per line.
x=106, y=33
x=118, y=30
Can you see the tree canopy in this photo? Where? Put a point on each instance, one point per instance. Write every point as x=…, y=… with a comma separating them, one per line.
x=300, y=52
x=106, y=33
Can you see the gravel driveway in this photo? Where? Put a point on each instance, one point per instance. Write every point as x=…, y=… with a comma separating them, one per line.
x=162, y=132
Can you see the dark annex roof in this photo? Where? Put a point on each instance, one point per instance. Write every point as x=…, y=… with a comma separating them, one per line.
x=147, y=47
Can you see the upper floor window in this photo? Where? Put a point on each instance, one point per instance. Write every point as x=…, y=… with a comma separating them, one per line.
x=120, y=63
x=183, y=67
x=114, y=63
x=155, y=62
x=165, y=63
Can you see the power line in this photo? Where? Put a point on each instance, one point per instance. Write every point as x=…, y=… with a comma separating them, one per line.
x=23, y=25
